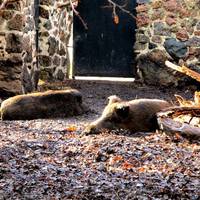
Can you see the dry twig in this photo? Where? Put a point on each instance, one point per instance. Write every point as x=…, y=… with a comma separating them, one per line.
x=121, y=7
x=78, y=15
x=185, y=70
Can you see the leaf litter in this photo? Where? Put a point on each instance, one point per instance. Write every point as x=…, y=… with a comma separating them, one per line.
x=48, y=159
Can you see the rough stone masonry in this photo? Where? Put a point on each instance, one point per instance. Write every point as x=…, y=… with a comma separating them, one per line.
x=166, y=29
x=21, y=31
x=11, y=34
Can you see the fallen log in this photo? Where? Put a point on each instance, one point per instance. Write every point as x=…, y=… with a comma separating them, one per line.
x=167, y=121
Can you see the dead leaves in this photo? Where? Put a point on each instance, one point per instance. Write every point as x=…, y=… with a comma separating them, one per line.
x=115, y=159
x=71, y=128
x=42, y=164
x=116, y=19
x=127, y=166
x=119, y=160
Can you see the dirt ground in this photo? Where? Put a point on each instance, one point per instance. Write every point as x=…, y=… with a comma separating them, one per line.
x=47, y=158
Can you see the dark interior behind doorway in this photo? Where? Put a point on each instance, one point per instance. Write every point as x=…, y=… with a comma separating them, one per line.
x=106, y=48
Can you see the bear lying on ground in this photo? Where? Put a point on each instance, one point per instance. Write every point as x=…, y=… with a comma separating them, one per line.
x=49, y=104
x=137, y=115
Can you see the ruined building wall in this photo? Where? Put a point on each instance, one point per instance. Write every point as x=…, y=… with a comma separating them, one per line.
x=166, y=29
x=54, y=32
x=30, y=69
x=21, y=62
x=11, y=34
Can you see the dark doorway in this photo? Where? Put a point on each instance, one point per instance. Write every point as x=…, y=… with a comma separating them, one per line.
x=106, y=47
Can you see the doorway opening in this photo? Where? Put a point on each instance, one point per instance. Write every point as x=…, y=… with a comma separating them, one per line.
x=105, y=49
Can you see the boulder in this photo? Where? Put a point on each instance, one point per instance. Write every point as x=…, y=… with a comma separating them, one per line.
x=44, y=13
x=151, y=67
x=194, y=42
x=176, y=49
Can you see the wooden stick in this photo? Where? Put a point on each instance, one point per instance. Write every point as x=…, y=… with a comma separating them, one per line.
x=121, y=7
x=78, y=15
x=185, y=70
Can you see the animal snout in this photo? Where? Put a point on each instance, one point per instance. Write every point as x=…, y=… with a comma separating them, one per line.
x=90, y=130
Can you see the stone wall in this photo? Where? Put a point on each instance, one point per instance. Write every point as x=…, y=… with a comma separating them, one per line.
x=32, y=44
x=30, y=68
x=166, y=29
x=11, y=34
x=54, y=33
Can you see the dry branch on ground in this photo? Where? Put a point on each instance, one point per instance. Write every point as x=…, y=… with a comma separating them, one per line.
x=183, y=69
x=172, y=121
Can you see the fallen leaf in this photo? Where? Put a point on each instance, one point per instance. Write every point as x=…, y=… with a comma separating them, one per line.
x=41, y=82
x=126, y=165
x=142, y=169
x=71, y=128
x=116, y=19
x=115, y=159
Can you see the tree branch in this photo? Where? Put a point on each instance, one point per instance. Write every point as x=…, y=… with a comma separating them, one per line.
x=185, y=70
x=77, y=14
x=121, y=7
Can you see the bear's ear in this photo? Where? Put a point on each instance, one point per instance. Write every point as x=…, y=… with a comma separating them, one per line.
x=113, y=99
x=122, y=111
